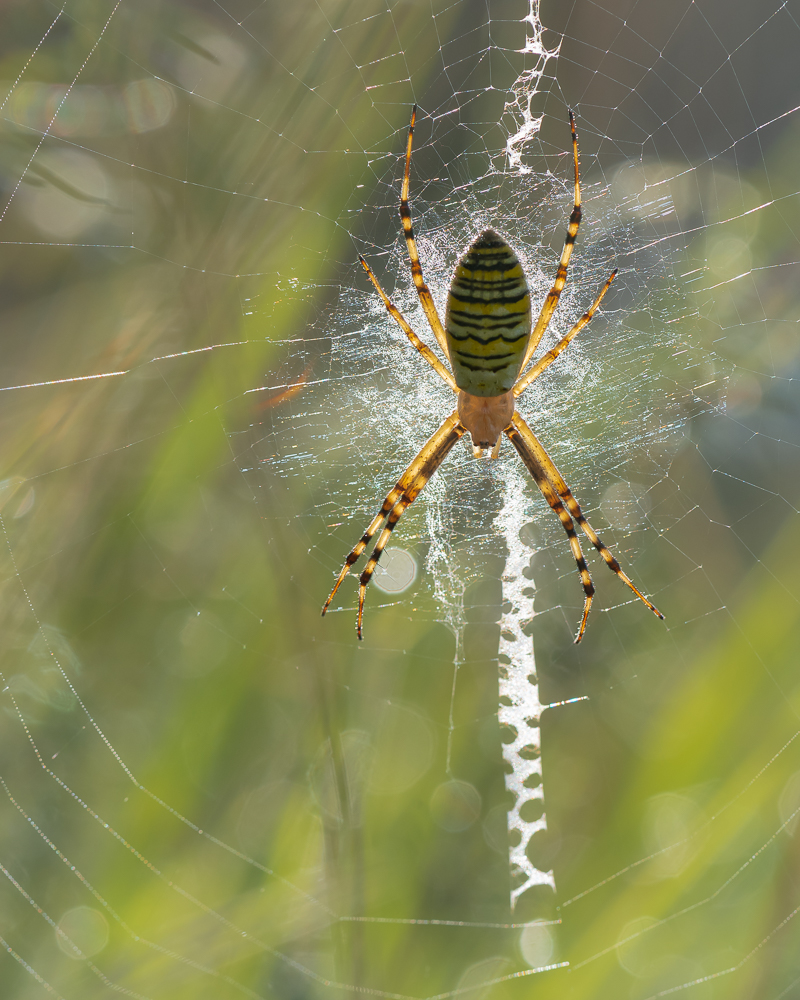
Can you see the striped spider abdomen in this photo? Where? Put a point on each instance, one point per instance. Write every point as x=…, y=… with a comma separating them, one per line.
x=488, y=318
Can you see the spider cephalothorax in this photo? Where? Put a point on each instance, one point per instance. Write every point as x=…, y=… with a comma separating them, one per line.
x=488, y=340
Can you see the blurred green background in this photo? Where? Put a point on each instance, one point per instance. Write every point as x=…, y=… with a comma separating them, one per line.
x=202, y=781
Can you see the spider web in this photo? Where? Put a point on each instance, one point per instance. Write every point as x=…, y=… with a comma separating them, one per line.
x=206, y=789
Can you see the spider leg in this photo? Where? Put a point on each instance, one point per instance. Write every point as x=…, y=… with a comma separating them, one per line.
x=394, y=516
x=358, y=549
x=541, y=479
x=521, y=435
x=404, y=325
x=550, y=303
x=424, y=293
x=408, y=488
x=547, y=359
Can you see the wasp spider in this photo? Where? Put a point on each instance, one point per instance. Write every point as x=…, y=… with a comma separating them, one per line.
x=489, y=339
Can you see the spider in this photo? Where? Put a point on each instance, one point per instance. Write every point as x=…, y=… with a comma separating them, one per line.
x=489, y=339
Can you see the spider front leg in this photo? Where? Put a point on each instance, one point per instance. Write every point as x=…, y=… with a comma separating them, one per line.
x=548, y=492
x=533, y=454
x=408, y=488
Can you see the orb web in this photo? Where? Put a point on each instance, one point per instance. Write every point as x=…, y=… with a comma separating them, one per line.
x=206, y=788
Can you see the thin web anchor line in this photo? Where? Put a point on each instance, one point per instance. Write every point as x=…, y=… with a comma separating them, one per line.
x=55, y=113
x=124, y=371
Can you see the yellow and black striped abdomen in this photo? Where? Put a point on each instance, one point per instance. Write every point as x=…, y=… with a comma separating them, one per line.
x=488, y=320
